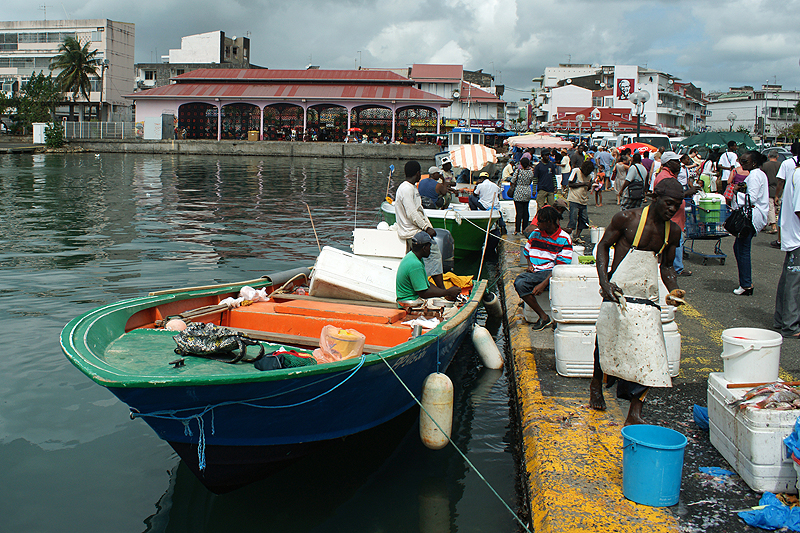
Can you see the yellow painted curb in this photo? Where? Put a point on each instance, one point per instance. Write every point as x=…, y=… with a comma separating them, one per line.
x=573, y=454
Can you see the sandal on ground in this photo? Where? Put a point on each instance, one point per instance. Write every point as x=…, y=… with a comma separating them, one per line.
x=541, y=324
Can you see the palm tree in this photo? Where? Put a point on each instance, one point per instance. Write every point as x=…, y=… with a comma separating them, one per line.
x=77, y=64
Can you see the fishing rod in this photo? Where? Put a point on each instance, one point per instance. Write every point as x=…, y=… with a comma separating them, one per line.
x=389, y=182
x=312, y=226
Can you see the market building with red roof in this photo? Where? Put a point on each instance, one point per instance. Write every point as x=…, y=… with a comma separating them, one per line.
x=236, y=103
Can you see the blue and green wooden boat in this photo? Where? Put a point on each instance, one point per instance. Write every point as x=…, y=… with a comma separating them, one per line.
x=467, y=227
x=232, y=423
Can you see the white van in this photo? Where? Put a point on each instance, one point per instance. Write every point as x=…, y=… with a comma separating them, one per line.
x=601, y=138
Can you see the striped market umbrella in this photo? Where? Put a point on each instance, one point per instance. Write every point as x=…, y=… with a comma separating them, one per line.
x=472, y=156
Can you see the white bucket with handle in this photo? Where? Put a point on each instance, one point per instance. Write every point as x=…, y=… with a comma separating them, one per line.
x=751, y=355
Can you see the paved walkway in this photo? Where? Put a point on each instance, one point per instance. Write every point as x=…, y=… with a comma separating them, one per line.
x=573, y=454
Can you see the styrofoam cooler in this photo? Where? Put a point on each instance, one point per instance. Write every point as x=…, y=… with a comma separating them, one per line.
x=339, y=274
x=574, y=347
x=750, y=439
x=575, y=295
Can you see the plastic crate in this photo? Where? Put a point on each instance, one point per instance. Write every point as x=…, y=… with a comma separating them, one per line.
x=706, y=224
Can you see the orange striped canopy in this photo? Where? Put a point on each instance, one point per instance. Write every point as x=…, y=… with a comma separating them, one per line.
x=473, y=156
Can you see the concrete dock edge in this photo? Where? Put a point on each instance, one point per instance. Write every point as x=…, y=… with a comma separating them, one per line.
x=572, y=455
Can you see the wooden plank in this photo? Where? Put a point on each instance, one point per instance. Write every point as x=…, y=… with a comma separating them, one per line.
x=386, y=305
x=299, y=340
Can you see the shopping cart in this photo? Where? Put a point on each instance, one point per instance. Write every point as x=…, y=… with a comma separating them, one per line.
x=706, y=224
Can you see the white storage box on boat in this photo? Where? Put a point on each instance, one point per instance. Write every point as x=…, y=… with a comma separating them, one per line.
x=750, y=439
x=574, y=347
x=379, y=243
x=338, y=274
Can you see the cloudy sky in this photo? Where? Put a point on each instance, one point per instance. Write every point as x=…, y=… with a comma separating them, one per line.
x=715, y=45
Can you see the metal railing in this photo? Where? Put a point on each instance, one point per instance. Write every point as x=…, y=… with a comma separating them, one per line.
x=99, y=130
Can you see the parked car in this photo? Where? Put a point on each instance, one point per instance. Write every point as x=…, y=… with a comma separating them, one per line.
x=783, y=153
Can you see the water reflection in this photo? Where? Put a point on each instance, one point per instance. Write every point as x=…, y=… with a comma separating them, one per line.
x=384, y=480
x=83, y=230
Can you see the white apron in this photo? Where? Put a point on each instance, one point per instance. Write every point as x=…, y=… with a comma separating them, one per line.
x=631, y=339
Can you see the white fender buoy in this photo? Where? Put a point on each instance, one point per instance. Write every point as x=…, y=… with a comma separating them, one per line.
x=486, y=348
x=492, y=304
x=437, y=399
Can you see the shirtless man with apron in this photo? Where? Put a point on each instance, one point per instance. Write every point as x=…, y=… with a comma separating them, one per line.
x=630, y=347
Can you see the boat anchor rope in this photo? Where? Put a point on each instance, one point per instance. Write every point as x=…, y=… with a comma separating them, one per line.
x=173, y=414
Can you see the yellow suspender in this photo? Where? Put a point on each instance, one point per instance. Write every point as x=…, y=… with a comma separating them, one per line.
x=640, y=230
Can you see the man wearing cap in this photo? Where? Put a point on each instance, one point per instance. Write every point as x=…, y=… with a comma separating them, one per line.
x=671, y=168
x=412, y=281
x=548, y=245
x=411, y=219
x=485, y=197
x=434, y=194
x=447, y=170
x=630, y=348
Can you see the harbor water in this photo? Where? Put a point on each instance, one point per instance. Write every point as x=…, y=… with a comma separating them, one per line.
x=82, y=230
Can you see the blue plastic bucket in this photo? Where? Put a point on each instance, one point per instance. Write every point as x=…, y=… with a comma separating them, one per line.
x=652, y=464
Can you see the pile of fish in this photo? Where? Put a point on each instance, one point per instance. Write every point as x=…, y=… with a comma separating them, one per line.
x=777, y=396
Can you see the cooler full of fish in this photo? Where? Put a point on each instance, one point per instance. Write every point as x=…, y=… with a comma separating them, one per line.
x=747, y=426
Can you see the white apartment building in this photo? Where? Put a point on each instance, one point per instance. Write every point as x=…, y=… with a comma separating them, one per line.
x=767, y=111
x=673, y=107
x=203, y=50
x=27, y=47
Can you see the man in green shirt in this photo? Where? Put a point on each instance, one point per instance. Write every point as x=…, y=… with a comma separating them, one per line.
x=412, y=282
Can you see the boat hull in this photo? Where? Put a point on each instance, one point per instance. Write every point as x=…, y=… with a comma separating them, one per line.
x=467, y=227
x=233, y=424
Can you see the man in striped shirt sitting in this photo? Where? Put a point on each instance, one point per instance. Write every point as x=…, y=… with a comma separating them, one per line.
x=548, y=245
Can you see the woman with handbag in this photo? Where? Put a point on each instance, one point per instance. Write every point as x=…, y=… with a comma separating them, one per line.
x=751, y=205
x=520, y=191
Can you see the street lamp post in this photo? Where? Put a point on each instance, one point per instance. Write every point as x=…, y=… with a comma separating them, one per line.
x=579, y=119
x=639, y=98
x=731, y=119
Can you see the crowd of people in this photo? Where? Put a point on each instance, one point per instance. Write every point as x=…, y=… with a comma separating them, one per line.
x=648, y=236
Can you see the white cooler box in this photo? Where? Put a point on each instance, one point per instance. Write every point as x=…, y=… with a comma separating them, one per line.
x=339, y=274
x=381, y=246
x=751, y=440
x=574, y=345
x=575, y=295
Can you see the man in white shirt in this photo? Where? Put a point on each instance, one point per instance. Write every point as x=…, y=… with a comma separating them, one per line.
x=486, y=194
x=787, y=299
x=411, y=219
x=727, y=162
x=485, y=197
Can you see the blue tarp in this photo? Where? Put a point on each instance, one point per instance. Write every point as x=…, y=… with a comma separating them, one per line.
x=774, y=515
